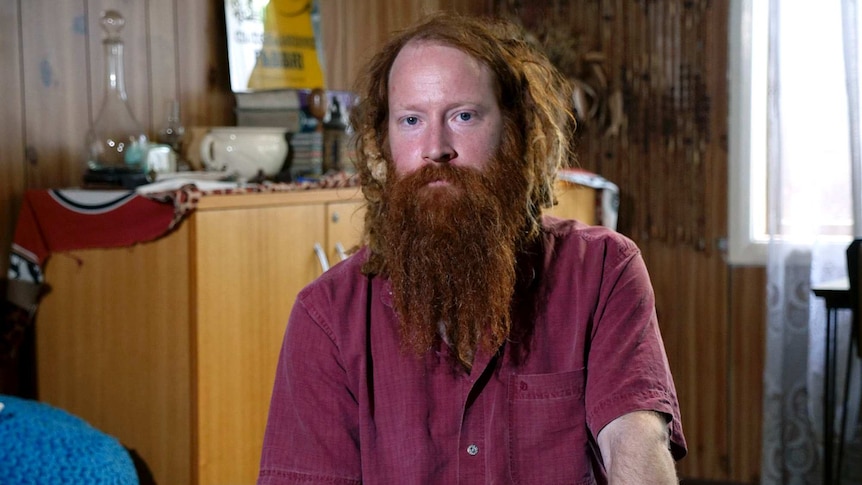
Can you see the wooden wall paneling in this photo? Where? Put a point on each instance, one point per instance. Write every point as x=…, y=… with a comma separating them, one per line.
x=362, y=27
x=135, y=55
x=354, y=30
x=689, y=303
x=384, y=18
x=745, y=307
x=335, y=43
x=716, y=161
x=163, y=55
x=711, y=340
x=707, y=319
x=698, y=333
x=650, y=56
x=370, y=24
x=56, y=90
x=204, y=80
x=347, y=56
x=383, y=22
x=747, y=353
x=470, y=7
x=409, y=11
x=12, y=157
x=366, y=28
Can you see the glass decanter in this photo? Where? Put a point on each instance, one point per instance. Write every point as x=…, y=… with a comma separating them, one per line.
x=116, y=142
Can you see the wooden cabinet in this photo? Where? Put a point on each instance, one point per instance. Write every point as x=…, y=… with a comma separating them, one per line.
x=172, y=345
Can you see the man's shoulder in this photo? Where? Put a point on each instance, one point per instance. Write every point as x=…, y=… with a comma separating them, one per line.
x=563, y=233
x=339, y=281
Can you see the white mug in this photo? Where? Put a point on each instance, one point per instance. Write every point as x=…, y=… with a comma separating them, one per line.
x=244, y=150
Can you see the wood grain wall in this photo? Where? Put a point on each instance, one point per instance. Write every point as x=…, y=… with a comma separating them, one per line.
x=712, y=315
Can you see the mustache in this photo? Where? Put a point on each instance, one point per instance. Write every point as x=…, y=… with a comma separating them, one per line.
x=453, y=174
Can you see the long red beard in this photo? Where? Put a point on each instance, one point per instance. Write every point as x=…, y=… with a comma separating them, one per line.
x=450, y=252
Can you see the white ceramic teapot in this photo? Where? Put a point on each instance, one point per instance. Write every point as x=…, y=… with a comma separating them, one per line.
x=244, y=150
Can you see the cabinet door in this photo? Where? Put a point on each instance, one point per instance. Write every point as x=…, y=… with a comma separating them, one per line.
x=344, y=222
x=250, y=264
x=112, y=341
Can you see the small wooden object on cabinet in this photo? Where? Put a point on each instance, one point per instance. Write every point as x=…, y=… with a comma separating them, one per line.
x=575, y=201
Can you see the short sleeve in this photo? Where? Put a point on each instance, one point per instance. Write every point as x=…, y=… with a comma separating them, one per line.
x=312, y=430
x=627, y=366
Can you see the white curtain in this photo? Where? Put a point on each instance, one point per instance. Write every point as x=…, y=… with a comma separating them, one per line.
x=813, y=142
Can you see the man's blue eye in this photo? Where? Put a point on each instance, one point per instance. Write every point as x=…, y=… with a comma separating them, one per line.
x=465, y=116
x=411, y=120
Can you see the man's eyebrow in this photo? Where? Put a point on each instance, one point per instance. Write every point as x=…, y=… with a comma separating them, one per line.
x=414, y=106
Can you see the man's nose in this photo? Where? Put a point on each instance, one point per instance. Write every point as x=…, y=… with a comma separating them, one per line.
x=438, y=145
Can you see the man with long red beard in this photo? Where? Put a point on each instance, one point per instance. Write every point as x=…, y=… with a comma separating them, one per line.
x=471, y=340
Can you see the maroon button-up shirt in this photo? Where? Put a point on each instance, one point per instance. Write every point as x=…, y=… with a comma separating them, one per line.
x=349, y=406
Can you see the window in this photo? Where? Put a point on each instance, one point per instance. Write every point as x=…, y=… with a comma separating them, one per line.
x=814, y=144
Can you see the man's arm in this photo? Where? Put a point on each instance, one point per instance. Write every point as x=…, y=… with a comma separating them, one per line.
x=635, y=450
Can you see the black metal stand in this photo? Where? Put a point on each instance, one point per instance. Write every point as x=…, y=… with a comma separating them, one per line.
x=837, y=297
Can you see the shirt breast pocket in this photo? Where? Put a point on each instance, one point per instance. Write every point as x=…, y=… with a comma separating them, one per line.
x=547, y=429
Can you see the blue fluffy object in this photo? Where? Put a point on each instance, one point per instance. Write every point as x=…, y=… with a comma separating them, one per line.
x=40, y=444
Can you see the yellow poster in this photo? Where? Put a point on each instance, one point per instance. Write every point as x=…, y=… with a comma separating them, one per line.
x=286, y=42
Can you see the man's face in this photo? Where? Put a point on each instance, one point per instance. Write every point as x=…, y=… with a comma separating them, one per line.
x=442, y=109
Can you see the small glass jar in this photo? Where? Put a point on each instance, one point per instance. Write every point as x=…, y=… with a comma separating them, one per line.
x=172, y=130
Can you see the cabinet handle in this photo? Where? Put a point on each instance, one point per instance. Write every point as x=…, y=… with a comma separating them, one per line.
x=321, y=256
x=339, y=248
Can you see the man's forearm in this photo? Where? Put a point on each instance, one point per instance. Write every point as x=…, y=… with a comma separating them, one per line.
x=635, y=449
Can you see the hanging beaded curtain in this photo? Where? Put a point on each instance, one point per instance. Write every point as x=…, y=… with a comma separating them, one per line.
x=639, y=69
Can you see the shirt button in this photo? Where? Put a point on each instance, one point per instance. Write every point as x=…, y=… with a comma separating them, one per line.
x=472, y=450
